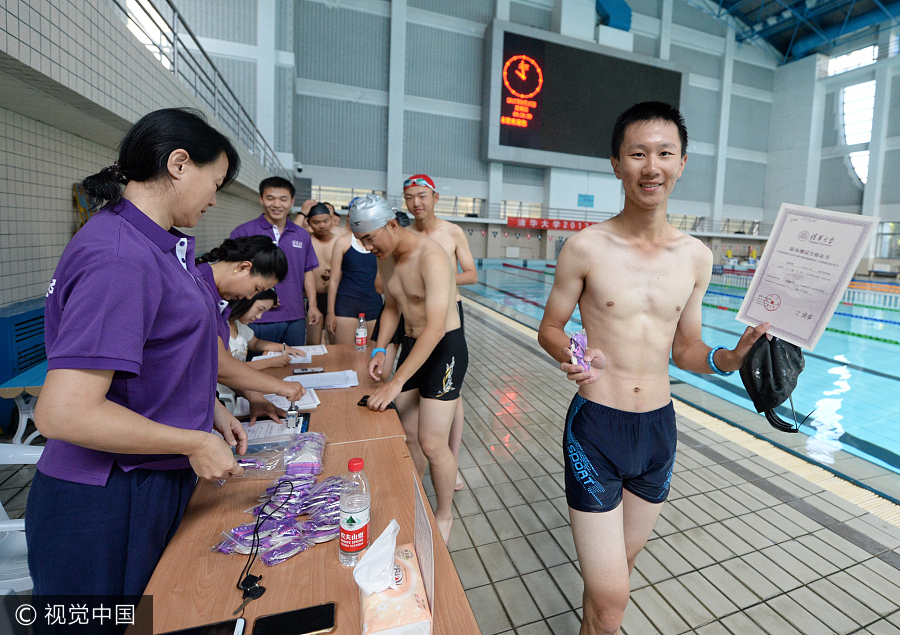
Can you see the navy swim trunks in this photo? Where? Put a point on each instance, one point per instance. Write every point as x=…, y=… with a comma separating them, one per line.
x=608, y=449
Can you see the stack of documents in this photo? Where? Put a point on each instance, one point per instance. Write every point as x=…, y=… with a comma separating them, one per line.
x=339, y=379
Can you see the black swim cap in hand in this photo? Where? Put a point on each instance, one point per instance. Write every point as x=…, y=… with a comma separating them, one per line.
x=770, y=375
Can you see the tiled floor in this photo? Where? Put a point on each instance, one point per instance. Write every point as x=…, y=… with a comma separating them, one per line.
x=742, y=547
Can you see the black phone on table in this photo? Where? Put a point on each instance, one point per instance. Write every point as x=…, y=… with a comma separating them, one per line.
x=307, y=371
x=228, y=627
x=309, y=621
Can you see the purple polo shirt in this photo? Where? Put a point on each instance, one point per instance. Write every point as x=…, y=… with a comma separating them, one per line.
x=223, y=309
x=297, y=246
x=127, y=297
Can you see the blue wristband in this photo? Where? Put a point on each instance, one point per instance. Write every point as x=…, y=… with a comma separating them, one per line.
x=375, y=351
x=712, y=363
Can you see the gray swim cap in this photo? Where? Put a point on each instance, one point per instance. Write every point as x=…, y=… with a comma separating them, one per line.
x=369, y=213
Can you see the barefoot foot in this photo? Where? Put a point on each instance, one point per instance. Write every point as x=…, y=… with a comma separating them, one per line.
x=460, y=483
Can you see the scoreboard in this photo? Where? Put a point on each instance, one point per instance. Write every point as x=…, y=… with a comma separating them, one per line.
x=551, y=100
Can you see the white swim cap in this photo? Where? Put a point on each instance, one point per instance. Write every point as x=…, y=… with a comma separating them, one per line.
x=368, y=213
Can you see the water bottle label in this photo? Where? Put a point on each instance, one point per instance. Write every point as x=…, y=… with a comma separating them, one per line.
x=354, y=530
x=360, y=337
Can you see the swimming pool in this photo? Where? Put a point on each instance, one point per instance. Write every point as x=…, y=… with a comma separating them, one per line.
x=851, y=380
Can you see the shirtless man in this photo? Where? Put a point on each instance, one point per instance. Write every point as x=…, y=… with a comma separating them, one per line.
x=420, y=196
x=323, y=238
x=419, y=283
x=639, y=283
x=337, y=228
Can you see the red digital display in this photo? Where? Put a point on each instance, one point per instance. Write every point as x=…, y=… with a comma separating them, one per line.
x=523, y=79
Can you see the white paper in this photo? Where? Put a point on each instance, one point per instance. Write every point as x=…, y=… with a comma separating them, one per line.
x=424, y=544
x=307, y=402
x=808, y=262
x=339, y=379
x=266, y=429
x=295, y=359
x=318, y=349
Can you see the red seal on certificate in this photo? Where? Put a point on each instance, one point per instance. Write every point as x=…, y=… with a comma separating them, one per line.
x=772, y=302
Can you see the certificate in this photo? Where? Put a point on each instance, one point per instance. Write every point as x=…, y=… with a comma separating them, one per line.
x=808, y=262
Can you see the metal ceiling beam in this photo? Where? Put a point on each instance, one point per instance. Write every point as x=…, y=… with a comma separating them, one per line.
x=788, y=23
x=809, y=43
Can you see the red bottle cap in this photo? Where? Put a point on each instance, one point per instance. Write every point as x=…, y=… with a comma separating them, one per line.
x=355, y=465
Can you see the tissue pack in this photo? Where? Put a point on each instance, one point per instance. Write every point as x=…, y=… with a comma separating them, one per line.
x=403, y=608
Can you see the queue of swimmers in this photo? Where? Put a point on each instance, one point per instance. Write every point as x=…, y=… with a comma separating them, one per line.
x=139, y=333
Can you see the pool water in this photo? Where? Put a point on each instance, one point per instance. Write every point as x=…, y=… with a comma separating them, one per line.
x=851, y=380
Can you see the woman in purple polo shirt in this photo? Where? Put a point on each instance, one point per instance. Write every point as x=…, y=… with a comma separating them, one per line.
x=240, y=268
x=129, y=400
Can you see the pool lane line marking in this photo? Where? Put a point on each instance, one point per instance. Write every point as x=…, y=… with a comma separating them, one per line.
x=832, y=330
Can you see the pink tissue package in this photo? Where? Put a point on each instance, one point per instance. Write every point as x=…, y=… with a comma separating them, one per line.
x=402, y=610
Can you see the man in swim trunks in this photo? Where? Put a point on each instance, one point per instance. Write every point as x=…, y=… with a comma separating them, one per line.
x=323, y=238
x=419, y=283
x=639, y=283
x=420, y=196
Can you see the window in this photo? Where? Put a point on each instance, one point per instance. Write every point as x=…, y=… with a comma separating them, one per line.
x=850, y=61
x=888, y=241
x=857, y=107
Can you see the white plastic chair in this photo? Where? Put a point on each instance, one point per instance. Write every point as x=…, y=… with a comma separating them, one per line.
x=13, y=551
x=227, y=397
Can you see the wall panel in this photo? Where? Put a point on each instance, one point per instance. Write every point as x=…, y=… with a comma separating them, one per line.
x=341, y=46
x=701, y=115
x=232, y=20
x=284, y=108
x=890, y=192
x=474, y=10
x=697, y=62
x=458, y=57
x=753, y=76
x=443, y=147
x=529, y=15
x=831, y=134
x=523, y=175
x=745, y=183
x=686, y=15
x=284, y=25
x=340, y=134
x=696, y=184
x=241, y=78
x=837, y=188
x=748, y=126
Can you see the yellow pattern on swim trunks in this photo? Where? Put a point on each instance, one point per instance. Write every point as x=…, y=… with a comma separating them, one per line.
x=448, y=378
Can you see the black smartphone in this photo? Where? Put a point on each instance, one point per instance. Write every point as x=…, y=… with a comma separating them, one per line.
x=364, y=402
x=306, y=371
x=229, y=627
x=308, y=621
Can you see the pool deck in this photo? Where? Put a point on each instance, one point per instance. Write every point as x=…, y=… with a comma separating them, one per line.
x=744, y=546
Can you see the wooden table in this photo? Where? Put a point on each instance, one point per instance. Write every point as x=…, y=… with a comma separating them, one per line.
x=193, y=586
x=338, y=416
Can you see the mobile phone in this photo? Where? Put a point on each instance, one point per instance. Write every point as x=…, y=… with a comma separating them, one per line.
x=228, y=627
x=364, y=402
x=306, y=371
x=309, y=621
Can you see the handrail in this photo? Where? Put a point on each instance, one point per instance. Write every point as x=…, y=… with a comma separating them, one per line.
x=174, y=44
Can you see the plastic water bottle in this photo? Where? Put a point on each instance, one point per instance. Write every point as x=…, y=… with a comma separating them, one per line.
x=355, y=505
x=362, y=333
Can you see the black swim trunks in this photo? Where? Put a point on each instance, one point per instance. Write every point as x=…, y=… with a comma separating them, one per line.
x=322, y=302
x=608, y=449
x=442, y=374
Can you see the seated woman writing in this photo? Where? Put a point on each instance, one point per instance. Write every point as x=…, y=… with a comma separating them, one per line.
x=243, y=340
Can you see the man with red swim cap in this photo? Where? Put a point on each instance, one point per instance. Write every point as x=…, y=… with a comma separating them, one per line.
x=420, y=195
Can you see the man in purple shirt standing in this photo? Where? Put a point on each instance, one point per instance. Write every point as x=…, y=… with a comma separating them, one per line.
x=286, y=323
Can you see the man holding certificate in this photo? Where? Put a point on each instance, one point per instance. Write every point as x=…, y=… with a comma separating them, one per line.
x=639, y=283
